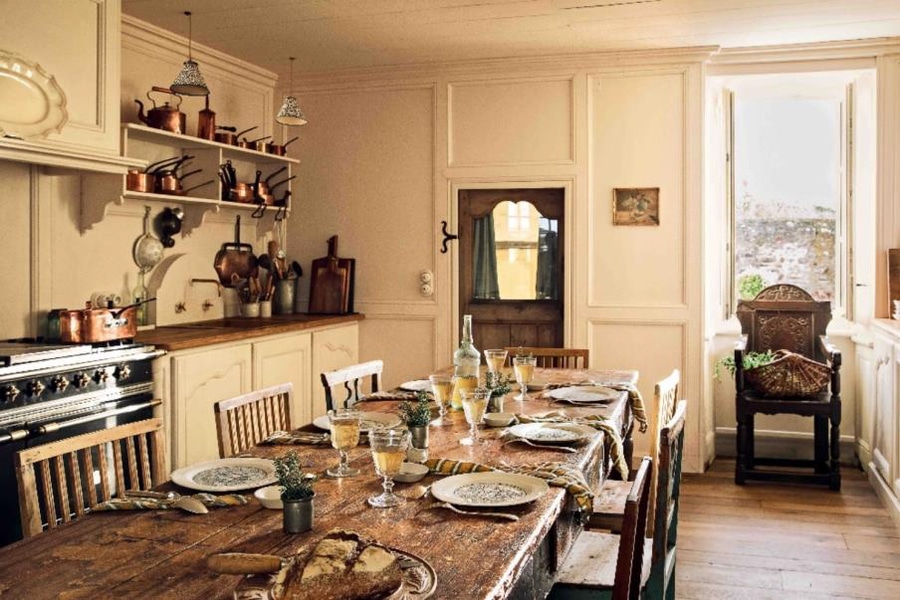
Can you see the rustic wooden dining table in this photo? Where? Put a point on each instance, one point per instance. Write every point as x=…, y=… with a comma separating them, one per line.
x=162, y=553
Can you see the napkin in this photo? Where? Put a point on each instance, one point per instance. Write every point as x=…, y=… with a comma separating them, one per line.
x=289, y=438
x=402, y=395
x=599, y=422
x=222, y=500
x=208, y=500
x=634, y=397
x=556, y=474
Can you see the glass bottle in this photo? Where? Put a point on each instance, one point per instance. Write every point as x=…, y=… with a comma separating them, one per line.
x=139, y=294
x=466, y=361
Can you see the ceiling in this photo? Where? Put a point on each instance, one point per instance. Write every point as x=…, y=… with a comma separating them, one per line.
x=340, y=34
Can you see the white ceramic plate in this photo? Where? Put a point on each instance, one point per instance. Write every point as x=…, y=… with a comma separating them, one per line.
x=368, y=421
x=32, y=105
x=226, y=475
x=584, y=394
x=489, y=489
x=552, y=433
x=419, y=385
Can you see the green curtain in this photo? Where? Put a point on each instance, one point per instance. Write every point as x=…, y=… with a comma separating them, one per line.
x=484, y=258
x=546, y=281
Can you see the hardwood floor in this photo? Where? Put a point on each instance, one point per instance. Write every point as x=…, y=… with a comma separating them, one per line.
x=763, y=540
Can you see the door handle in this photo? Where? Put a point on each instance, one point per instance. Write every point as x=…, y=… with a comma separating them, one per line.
x=448, y=237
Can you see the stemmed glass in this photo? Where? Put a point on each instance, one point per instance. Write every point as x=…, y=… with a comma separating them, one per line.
x=442, y=388
x=344, y=423
x=524, y=369
x=495, y=359
x=388, y=451
x=474, y=404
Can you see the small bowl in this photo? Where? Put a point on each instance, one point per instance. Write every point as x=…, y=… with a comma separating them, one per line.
x=501, y=419
x=411, y=472
x=270, y=496
x=537, y=386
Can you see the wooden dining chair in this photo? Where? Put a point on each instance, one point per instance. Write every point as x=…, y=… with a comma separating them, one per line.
x=609, y=503
x=246, y=420
x=61, y=481
x=589, y=571
x=554, y=358
x=657, y=575
x=350, y=377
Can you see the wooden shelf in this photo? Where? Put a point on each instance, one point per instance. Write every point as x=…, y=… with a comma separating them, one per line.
x=187, y=141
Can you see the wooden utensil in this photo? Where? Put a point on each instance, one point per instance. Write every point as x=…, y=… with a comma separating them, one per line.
x=331, y=282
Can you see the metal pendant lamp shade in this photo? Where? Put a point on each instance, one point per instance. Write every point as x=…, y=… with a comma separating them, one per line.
x=189, y=81
x=290, y=113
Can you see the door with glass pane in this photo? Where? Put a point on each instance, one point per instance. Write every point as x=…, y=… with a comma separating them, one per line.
x=511, y=265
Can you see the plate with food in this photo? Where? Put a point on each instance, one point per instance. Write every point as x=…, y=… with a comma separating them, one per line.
x=342, y=565
x=584, y=394
x=367, y=421
x=490, y=489
x=226, y=475
x=552, y=433
x=418, y=385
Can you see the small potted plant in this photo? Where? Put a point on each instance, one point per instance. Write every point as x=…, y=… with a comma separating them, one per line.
x=417, y=415
x=297, y=493
x=498, y=384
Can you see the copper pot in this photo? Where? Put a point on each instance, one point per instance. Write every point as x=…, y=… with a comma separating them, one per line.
x=258, y=144
x=138, y=181
x=241, y=192
x=279, y=149
x=170, y=183
x=92, y=325
x=227, y=135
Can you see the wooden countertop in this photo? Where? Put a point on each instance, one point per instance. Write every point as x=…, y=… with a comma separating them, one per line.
x=233, y=329
x=162, y=554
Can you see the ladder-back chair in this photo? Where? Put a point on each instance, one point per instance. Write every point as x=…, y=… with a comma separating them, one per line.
x=246, y=420
x=554, y=358
x=350, y=378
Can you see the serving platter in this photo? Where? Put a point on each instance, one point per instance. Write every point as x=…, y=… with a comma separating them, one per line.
x=419, y=579
x=367, y=421
x=491, y=489
x=32, y=105
x=418, y=385
x=226, y=475
x=552, y=433
x=596, y=394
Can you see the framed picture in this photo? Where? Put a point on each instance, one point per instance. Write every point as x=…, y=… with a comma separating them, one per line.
x=636, y=206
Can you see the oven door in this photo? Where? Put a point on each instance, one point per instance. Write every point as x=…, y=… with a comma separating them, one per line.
x=135, y=408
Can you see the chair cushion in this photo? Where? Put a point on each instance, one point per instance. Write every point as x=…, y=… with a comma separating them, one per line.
x=591, y=562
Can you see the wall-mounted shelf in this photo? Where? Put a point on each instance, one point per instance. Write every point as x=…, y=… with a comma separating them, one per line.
x=149, y=145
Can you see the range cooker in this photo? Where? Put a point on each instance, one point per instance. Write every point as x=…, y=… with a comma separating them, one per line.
x=50, y=392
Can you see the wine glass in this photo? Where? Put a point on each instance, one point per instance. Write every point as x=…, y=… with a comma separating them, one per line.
x=474, y=404
x=441, y=388
x=344, y=424
x=388, y=451
x=524, y=369
x=495, y=359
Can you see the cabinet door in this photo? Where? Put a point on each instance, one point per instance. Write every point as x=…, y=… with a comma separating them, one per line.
x=864, y=392
x=883, y=436
x=199, y=380
x=286, y=359
x=332, y=349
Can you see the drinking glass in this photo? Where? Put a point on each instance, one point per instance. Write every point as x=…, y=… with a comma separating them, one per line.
x=524, y=369
x=474, y=404
x=461, y=383
x=495, y=359
x=344, y=424
x=441, y=388
x=388, y=451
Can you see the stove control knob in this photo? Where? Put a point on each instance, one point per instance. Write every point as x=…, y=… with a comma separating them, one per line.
x=59, y=384
x=10, y=393
x=81, y=380
x=123, y=372
x=100, y=376
x=34, y=388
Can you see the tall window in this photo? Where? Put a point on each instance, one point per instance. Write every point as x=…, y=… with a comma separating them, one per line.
x=788, y=192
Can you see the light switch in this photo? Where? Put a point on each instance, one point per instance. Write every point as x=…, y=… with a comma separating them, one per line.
x=426, y=276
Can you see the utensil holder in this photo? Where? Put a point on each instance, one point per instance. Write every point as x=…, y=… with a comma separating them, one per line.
x=283, y=299
x=250, y=309
x=265, y=308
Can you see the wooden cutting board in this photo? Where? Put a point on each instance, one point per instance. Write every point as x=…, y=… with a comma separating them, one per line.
x=331, y=283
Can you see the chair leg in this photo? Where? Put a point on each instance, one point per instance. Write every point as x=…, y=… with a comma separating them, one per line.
x=820, y=437
x=741, y=450
x=751, y=442
x=835, y=483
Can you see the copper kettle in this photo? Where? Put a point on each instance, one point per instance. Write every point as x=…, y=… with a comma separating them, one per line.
x=206, y=124
x=164, y=117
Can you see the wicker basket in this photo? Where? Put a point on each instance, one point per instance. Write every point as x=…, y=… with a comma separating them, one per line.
x=790, y=375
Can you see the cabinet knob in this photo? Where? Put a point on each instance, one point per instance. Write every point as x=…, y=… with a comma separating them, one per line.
x=35, y=387
x=81, y=380
x=123, y=372
x=59, y=384
x=10, y=393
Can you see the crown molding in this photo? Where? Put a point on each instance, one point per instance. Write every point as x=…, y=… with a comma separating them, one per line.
x=819, y=51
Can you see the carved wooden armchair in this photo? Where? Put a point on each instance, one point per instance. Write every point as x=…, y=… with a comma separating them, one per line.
x=786, y=317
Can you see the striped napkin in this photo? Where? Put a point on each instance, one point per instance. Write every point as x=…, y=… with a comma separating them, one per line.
x=556, y=474
x=401, y=395
x=634, y=397
x=290, y=438
x=208, y=500
x=599, y=422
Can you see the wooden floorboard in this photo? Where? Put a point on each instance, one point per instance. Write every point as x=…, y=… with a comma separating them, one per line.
x=767, y=540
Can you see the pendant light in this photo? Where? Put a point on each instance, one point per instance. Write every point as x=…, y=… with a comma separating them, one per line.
x=189, y=81
x=290, y=113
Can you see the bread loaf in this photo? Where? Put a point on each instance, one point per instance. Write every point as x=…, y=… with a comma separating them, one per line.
x=346, y=566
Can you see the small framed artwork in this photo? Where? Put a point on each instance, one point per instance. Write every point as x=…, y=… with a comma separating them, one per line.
x=636, y=206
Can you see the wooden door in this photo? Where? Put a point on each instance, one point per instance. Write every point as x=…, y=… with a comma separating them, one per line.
x=525, y=308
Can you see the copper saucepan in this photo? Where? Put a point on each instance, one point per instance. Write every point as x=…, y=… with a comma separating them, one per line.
x=258, y=144
x=279, y=149
x=170, y=182
x=227, y=135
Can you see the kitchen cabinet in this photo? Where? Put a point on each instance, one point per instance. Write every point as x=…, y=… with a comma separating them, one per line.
x=864, y=393
x=151, y=145
x=77, y=44
x=332, y=349
x=884, y=408
x=282, y=359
